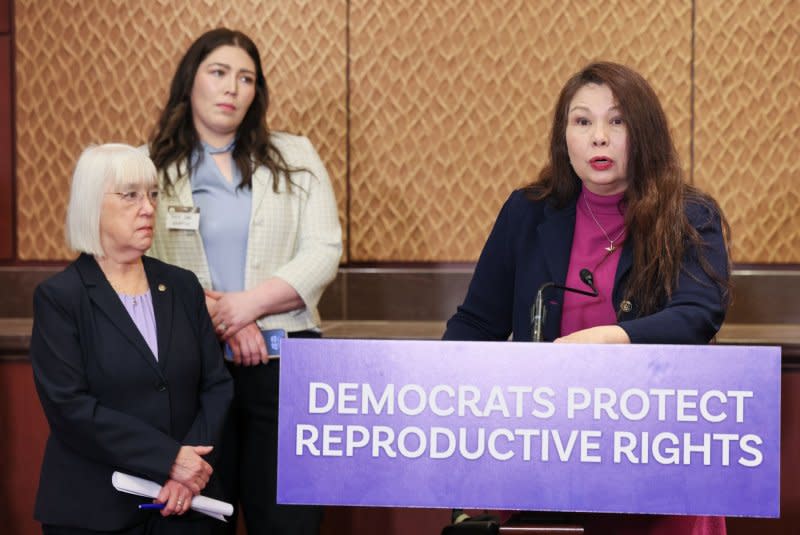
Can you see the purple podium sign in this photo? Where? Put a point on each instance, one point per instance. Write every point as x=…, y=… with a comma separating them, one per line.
x=545, y=427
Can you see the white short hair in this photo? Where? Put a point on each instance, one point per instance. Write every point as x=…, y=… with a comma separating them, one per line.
x=101, y=169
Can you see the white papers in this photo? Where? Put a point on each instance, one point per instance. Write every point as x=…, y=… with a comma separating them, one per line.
x=150, y=489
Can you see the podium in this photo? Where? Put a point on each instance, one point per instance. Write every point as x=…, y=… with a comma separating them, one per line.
x=647, y=430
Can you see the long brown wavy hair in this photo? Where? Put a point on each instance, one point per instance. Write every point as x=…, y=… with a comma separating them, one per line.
x=657, y=193
x=174, y=137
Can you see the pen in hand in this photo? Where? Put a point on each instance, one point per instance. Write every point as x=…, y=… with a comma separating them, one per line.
x=152, y=505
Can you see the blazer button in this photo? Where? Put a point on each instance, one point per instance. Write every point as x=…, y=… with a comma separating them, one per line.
x=161, y=387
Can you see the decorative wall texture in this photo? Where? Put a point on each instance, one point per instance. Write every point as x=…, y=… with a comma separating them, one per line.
x=451, y=104
x=427, y=113
x=747, y=127
x=93, y=71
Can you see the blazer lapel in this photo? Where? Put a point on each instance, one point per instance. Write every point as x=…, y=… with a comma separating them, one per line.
x=162, y=295
x=107, y=301
x=181, y=248
x=181, y=186
x=262, y=179
x=623, y=268
x=555, y=234
x=625, y=262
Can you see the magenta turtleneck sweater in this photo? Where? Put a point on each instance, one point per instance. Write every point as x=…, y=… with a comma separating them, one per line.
x=589, y=251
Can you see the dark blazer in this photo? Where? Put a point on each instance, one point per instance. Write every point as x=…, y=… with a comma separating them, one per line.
x=110, y=404
x=530, y=245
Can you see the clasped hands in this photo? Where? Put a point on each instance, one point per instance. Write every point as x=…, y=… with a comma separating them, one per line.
x=187, y=478
x=233, y=316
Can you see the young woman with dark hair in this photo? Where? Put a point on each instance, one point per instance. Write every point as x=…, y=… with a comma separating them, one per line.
x=252, y=213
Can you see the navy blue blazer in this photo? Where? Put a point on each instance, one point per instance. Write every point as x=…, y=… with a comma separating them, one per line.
x=110, y=404
x=530, y=245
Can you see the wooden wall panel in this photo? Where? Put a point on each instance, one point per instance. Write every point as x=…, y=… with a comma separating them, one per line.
x=76, y=86
x=6, y=148
x=789, y=521
x=5, y=16
x=23, y=433
x=747, y=133
x=451, y=104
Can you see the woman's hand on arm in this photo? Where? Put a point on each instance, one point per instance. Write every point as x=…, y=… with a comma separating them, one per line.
x=176, y=497
x=190, y=469
x=234, y=310
x=604, y=334
x=248, y=346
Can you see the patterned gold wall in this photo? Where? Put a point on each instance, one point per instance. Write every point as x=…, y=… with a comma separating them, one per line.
x=747, y=122
x=92, y=71
x=449, y=102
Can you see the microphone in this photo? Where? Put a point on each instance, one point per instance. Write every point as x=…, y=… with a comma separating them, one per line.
x=538, y=313
x=588, y=279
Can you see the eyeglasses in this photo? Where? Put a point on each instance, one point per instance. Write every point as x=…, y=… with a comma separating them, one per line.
x=137, y=196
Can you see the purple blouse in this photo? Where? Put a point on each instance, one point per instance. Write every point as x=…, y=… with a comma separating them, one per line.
x=140, y=308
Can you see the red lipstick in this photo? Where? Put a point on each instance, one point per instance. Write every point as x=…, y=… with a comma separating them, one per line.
x=601, y=163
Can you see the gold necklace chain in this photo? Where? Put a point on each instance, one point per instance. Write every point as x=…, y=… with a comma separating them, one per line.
x=610, y=247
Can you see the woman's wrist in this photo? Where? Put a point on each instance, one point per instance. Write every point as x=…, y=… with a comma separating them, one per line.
x=275, y=296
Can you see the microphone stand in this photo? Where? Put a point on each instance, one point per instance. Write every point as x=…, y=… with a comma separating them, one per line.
x=539, y=312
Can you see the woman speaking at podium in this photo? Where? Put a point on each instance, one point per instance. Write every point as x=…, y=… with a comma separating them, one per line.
x=612, y=202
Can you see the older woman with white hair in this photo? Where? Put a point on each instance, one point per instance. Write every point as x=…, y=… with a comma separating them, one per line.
x=126, y=363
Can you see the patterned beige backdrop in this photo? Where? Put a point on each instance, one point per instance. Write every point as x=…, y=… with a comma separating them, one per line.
x=91, y=71
x=747, y=122
x=449, y=102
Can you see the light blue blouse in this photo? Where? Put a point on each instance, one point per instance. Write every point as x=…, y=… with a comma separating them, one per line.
x=224, y=219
